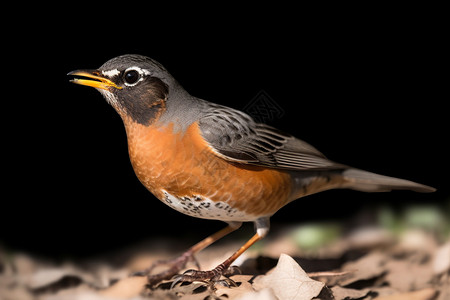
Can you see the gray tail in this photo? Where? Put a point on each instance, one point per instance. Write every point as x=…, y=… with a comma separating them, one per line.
x=370, y=182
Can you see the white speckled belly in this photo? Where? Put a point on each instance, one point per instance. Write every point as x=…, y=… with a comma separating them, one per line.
x=205, y=208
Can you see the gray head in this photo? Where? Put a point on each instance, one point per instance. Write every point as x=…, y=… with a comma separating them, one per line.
x=135, y=85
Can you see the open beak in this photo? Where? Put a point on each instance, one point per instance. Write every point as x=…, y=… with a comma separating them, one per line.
x=95, y=79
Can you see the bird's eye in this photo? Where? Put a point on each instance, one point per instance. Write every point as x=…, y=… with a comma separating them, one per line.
x=131, y=76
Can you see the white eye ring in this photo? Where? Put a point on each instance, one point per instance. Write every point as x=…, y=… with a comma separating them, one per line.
x=142, y=73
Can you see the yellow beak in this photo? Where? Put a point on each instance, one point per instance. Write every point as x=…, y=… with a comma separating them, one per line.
x=95, y=79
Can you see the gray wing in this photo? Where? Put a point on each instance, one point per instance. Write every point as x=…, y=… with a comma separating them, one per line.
x=235, y=136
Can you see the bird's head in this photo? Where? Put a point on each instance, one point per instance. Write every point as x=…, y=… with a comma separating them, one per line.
x=136, y=86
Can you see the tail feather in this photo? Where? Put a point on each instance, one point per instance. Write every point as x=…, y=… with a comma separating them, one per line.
x=370, y=182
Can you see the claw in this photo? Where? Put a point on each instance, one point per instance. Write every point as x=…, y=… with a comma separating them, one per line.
x=227, y=282
x=233, y=270
x=177, y=279
x=187, y=276
x=189, y=272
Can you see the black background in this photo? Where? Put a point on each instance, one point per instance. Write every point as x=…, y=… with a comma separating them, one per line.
x=368, y=90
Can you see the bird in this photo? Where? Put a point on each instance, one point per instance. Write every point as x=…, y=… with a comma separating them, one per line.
x=211, y=161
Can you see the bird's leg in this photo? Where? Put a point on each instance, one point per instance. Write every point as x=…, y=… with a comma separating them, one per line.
x=177, y=264
x=214, y=275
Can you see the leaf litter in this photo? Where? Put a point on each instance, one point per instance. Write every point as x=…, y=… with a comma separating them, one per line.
x=366, y=263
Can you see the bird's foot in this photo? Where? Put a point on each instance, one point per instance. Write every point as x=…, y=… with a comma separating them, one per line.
x=219, y=275
x=174, y=267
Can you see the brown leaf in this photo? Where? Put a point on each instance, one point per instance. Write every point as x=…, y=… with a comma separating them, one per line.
x=405, y=275
x=289, y=281
x=441, y=261
x=444, y=290
x=328, y=274
x=243, y=289
x=264, y=294
x=341, y=293
x=367, y=267
x=126, y=288
x=51, y=276
x=425, y=294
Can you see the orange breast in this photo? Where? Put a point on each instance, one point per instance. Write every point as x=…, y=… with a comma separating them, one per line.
x=183, y=164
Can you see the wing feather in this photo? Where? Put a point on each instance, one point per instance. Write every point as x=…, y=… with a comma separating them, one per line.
x=235, y=136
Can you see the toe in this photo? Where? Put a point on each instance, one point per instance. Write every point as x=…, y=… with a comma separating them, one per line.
x=209, y=277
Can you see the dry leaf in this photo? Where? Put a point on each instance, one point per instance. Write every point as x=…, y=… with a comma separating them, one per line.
x=264, y=294
x=441, y=261
x=425, y=294
x=191, y=291
x=367, y=267
x=243, y=289
x=415, y=239
x=444, y=291
x=405, y=276
x=369, y=237
x=126, y=288
x=14, y=293
x=289, y=281
x=49, y=276
x=341, y=293
x=327, y=274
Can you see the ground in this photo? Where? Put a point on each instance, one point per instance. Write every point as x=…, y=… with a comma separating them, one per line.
x=390, y=260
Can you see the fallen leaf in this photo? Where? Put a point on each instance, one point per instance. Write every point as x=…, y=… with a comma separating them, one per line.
x=79, y=293
x=405, y=276
x=190, y=291
x=341, y=293
x=425, y=294
x=444, y=291
x=382, y=291
x=328, y=274
x=243, y=289
x=441, y=261
x=369, y=237
x=289, y=281
x=13, y=293
x=415, y=239
x=367, y=267
x=49, y=276
x=126, y=288
x=264, y=294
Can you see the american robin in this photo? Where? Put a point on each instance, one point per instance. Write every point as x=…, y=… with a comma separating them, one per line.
x=214, y=162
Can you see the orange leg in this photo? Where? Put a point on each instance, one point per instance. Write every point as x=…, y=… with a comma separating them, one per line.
x=214, y=275
x=214, y=237
x=177, y=264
